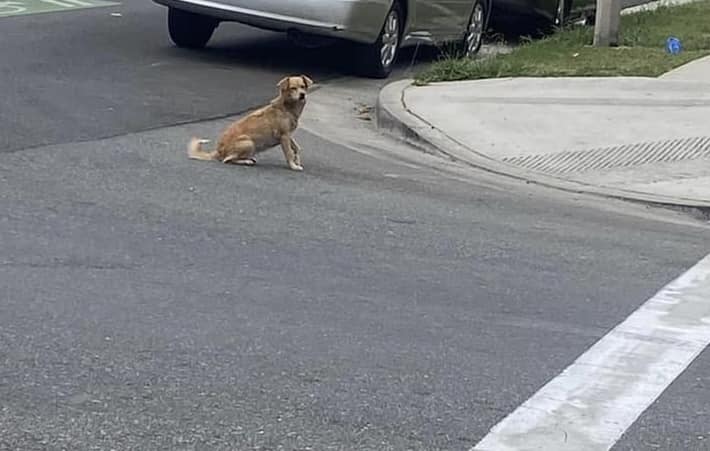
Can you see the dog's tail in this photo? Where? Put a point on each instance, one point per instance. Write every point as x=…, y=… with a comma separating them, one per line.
x=195, y=152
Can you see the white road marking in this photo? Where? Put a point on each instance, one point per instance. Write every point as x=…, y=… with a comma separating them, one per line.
x=58, y=3
x=597, y=398
x=14, y=8
x=78, y=2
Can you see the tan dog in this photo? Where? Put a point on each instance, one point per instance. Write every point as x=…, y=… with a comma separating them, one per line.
x=262, y=129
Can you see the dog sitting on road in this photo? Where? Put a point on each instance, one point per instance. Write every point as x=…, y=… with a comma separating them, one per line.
x=262, y=129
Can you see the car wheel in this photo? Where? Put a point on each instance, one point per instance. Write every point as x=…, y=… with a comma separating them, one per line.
x=473, y=37
x=190, y=30
x=376, y=60
x=564, y=7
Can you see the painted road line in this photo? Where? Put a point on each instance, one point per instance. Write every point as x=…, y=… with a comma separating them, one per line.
x=74, y=3
x=11, y=8
x=597, y=398
x=58, y=3
x=78, y=2
x=23, y=7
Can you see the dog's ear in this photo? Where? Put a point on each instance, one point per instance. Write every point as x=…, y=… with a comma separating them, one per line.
x=283, y=84
x=307, y=81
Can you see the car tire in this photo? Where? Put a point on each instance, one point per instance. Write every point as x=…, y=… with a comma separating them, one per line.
x=564, y=8
x=475, y=29
x=189, y=30
x=376, y=60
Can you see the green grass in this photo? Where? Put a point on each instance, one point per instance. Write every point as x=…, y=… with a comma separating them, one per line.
x=568, y=53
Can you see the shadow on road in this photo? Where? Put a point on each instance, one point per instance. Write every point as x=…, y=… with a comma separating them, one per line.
x=274, y=52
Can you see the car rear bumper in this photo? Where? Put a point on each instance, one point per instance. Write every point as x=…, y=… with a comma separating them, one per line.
x=355, y=20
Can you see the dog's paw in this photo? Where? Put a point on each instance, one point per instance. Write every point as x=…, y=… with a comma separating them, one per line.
x=233, y=159
x=296, y=167
x=246, y=162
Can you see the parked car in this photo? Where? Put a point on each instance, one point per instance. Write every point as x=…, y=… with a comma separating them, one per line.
x=377, y=29
x=534, y=16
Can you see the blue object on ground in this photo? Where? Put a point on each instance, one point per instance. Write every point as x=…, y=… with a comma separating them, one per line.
x=673, y=45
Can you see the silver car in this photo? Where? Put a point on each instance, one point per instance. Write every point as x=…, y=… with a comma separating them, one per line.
x=376, y=28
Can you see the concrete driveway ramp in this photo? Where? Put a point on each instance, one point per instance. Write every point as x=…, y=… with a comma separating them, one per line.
x=631, y=137
x=623, y=156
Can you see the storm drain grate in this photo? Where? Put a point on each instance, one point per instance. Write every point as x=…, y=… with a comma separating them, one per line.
x=616, y=157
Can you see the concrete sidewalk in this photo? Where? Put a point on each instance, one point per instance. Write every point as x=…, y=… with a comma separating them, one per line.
x=645, y=139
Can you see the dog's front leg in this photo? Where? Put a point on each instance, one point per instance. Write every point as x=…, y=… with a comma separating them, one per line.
x=289, y=153
x=296, y=151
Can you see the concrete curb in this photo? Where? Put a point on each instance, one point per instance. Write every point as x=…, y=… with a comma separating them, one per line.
x=393, y=117
x=653, y=5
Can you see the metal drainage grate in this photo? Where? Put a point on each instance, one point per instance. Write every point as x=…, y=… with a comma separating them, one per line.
x=616, y=157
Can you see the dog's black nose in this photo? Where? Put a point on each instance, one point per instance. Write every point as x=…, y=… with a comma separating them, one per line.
x=302, y=96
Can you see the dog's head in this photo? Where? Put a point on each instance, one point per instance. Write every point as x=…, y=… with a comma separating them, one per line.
x=294, y=89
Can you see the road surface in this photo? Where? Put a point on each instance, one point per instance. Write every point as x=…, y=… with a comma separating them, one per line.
x=380, y=300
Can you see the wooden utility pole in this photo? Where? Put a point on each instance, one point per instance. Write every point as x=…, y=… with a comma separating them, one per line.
x=606, y=23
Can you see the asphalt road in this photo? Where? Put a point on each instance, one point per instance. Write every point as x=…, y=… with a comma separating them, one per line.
x=373, y=302
x=153, y=302
x=83, y=74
